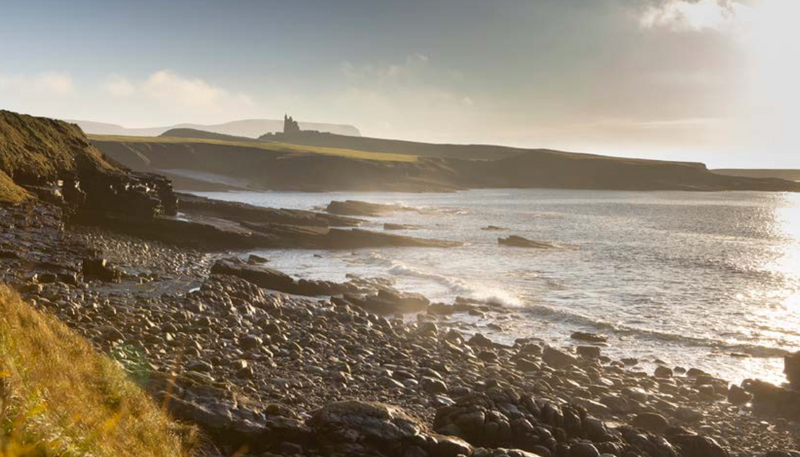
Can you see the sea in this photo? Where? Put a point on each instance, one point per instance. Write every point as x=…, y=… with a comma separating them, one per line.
x=689, y=279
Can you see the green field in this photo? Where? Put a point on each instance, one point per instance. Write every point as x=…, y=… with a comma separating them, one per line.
x=268, y=146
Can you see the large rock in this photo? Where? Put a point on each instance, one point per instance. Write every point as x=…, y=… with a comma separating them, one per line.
x=230, y=425
x=698, y=446
x=375, y=425
x=791, y=367
x=261, y=276
x=390, y=302
x=358, y=208
x=557, y=358
x=192, y=204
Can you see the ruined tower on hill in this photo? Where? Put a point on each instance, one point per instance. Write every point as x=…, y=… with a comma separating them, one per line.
x=290, y=125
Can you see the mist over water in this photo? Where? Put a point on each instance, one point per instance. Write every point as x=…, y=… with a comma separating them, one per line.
x=707, y=280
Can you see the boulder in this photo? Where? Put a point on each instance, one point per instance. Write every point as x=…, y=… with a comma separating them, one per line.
x=261, y=276
x=376, y=425
x=589, y=337
x=100, y=269
x=358, y=208
x=791, y=367
x=651, y=422
x=390, y=302
x=558, y=359
x=698, y=446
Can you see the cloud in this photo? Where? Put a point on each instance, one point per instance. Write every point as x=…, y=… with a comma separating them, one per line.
x=169, y=87
x=119, y=87
x=694, y=15
x=48, y=83
x=172, y=89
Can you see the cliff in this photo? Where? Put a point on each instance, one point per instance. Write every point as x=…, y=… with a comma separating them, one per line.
x=53, y=160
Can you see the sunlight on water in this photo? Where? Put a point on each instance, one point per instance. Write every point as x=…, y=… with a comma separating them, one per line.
x=706, y=280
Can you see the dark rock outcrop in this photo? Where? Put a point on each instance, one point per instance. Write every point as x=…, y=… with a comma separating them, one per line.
x=358, y=208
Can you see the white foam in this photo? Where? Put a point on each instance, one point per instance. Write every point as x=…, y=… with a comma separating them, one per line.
x=459, y=286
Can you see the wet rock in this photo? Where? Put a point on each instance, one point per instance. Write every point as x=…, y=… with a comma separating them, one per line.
x=254, y=259
x=589, y=337
x=520, y=242
x=388, y=226
x=589, y=352
x=662, y=372
x=358, y=208
x=557, y=358
x=791, y=367
x=481, y=341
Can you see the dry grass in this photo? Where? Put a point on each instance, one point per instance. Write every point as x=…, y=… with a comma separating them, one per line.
x=268, y=146
x=10, y=192
x=60, y=398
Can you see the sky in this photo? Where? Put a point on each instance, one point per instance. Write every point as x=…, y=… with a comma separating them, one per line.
x=702, y=80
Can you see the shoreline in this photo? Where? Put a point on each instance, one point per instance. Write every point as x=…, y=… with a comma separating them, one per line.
x=249, y=364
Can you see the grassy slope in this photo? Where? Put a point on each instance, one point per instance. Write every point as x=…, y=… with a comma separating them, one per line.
x=61, y=398
x=35, y=150
x=267, y=146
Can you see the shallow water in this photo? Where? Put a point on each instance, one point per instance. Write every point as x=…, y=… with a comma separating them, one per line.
x=689, y=278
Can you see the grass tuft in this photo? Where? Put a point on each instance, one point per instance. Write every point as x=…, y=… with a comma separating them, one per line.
x=60, y=398
x=10, y=192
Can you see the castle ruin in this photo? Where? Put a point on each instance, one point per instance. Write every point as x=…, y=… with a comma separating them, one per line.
x=290, y=125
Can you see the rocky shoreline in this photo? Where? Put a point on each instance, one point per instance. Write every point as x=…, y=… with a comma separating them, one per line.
x=329, y=372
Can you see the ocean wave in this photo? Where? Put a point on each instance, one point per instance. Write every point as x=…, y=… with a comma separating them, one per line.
x=457, y=286
x=578, y=319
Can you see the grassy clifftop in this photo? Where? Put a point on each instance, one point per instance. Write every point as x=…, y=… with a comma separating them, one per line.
x=35, y=150
x=59, y=398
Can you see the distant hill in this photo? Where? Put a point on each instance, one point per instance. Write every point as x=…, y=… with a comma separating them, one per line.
x=202, y=135
x=780, y=173
x=442, y=151
x=275, y=164
x=250, y=128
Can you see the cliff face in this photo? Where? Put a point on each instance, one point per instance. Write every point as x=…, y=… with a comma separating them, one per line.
x=50, y=159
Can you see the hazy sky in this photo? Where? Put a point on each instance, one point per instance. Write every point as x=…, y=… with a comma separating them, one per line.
x=709, y=80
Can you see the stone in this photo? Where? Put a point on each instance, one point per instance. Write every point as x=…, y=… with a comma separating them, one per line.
x=662, y=372
x=558, y=359
x=254, y=259
x=589, y=352
x=791, y=367
x=380, y=425
x=479, y=340
x=698, y=446
x=583, y=450
x=589, y=337
x=433, y=386
x=450, y=446
x=652, y=422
